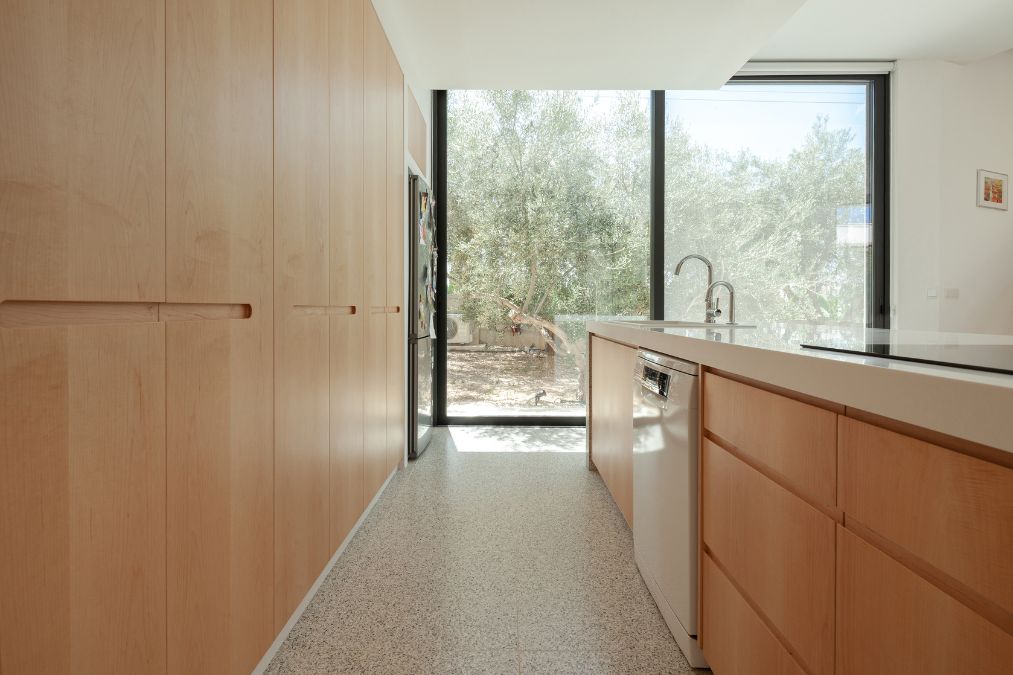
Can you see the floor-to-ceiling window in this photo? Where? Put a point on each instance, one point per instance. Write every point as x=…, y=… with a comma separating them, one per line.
x=771, y=182
x=547, y=222
x=547, y=219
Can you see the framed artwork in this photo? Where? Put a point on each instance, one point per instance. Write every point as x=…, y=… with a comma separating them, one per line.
x=993, y=190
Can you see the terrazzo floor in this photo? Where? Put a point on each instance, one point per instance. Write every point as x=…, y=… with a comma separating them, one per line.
x=495, y=552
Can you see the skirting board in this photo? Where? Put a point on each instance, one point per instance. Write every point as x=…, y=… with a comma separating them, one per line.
x=297, y=614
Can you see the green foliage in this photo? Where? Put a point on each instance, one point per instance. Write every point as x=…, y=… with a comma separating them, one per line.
x=544, y=204
x=548, y=200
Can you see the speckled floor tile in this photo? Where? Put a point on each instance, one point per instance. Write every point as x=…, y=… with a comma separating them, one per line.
x=496, y=552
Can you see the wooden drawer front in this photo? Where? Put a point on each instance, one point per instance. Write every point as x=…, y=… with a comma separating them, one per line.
x=953, y=511
x=892, y=621
x=735, y=639
x=778, y=548
x=795, y=439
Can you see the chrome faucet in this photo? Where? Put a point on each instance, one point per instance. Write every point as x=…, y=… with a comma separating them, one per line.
x=714, y=306
x=710, y=282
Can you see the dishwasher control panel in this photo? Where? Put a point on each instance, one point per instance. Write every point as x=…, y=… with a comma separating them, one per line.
x=655, y=380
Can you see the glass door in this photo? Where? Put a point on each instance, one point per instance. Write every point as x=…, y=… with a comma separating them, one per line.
x=547, y=226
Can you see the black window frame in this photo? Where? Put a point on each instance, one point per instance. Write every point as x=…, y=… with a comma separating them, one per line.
x=878, y=299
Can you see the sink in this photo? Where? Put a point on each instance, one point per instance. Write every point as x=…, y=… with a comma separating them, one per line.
x=658, y=323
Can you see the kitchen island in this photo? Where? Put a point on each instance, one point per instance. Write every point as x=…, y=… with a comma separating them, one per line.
x=856, y=512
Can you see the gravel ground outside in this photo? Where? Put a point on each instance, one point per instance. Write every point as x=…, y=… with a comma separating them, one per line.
x=487, y=382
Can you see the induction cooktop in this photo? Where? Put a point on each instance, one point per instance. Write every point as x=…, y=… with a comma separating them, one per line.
x=994, y=358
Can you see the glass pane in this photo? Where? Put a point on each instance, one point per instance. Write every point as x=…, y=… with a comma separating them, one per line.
x=769, y=181
x=547, y=227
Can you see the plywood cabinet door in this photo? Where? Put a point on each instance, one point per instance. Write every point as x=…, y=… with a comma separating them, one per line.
x=892, y=621
x=951, y=510
x=347, y=331
x=777, y=548
x=397, y=190
x=219, y=392
x=302, y=291
x=82, y=172
x=612, y=419
x=82, y=499
x=377, y=456
x=82, y=407
x=738, y=641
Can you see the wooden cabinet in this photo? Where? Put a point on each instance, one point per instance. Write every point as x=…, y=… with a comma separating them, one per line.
x=82, y=172
x=220, y=385
x=866, y=552
x=82, y=499
x=953, y=511
x=778, y=548
x=610, y=417
x=377, y=464
x=347, y=330
x=397, y=215
x=893, y=621
x=201, y=327
x=82, y=407
x=302, y=341
x=794, y=439
x=738, y=641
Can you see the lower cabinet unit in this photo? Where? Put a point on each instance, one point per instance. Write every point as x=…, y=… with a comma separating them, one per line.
x=302, y=459
x=220, y=494
x=779, y=550
x=347, y=459
x=949, y=509
x=737, y=640
x=893, y=622
x=82, y=499
x=611, y=419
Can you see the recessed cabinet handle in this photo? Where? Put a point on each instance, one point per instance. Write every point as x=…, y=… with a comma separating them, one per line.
x=33, y=313
x=324, y=310
x=385, y=309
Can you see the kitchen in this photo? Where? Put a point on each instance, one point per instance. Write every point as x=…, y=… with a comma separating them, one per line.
x=352, y=336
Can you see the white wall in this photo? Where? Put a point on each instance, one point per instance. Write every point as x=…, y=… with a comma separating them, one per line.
x=948, y=121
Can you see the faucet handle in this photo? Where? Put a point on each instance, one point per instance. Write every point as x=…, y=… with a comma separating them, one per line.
x=714, y=311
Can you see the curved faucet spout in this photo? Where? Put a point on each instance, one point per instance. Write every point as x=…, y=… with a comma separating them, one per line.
x=709, y=314
x=705, y=261
x=731, y=299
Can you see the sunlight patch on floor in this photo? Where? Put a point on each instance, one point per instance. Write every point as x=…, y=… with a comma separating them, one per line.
x=517, y=439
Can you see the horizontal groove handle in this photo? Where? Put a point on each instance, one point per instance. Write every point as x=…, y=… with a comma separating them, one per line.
x=385, y=309
x=324, y=310
x=34, y=313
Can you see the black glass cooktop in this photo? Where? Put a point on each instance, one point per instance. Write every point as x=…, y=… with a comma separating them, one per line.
x=991, y=358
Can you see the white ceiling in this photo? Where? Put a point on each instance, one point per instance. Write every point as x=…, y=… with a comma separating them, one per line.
x=952, y=30
x=578, y=44
x=673, y=44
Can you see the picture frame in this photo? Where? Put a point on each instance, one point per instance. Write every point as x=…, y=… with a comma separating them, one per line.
x=993, y=190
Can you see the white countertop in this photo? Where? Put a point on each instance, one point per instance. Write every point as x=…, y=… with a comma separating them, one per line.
x=969, y=404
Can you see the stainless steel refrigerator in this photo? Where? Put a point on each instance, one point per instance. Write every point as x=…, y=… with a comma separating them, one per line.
x=422, y=312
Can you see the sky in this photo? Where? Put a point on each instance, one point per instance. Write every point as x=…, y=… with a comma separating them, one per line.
x=768, y=119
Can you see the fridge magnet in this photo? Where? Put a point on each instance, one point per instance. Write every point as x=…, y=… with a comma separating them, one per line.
x=993, y=190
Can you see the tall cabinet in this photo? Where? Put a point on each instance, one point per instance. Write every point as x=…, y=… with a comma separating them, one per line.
x=82, y=396
x=219, y=373
x=202, y=208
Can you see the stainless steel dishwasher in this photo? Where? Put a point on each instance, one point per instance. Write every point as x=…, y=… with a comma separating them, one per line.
x=665, y=461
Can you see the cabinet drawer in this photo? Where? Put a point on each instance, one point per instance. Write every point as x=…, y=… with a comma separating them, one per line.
x=795, y=439
x=891, y=621
x=953, y=511
x=778, y=548
x=735, y=639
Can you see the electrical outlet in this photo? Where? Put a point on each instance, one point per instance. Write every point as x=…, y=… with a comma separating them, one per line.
x=951, y=293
